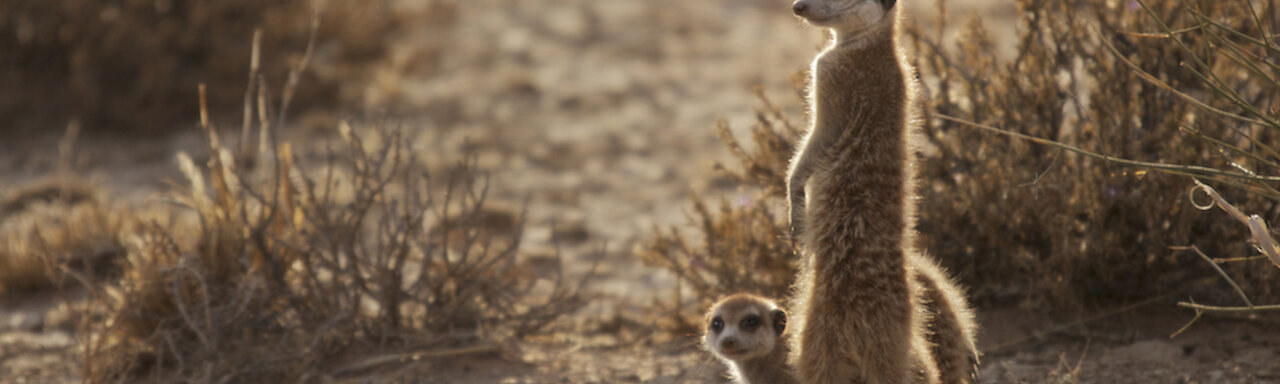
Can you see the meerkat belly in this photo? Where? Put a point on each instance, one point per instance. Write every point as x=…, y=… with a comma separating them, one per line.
x=858, y=202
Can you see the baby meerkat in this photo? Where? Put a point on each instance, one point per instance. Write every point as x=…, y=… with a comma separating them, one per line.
x=745, y=331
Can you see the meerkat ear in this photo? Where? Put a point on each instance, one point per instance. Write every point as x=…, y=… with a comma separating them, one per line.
x=779, y=320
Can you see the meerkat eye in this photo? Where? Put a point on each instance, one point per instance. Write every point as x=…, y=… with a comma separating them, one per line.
x=751, y=323
x=717, y=324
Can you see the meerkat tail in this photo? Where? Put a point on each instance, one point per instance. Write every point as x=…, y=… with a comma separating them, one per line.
x=952, y=330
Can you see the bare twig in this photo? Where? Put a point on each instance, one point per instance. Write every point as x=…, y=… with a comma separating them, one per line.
x=1257, y=227
x=1187, y=326
x=1171, y=168
x=295, y=75
x=1217, y=309
x=1222, y=273
x=373, y=362
x=247, y=150
x=1059, y=328
x=66, y=148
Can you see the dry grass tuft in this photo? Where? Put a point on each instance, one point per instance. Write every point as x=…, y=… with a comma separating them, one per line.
x=49, y=191
x=53, y=227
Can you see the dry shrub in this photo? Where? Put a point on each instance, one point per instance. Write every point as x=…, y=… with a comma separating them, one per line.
x=134, y=65
x=284, y=276
x=744, y=246
x=54, y=227
x=1031, y=223
x=1015, y=219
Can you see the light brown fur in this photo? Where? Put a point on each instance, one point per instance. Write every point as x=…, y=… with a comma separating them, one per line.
x=868, y=307
x=950, y=327
x=759, y=355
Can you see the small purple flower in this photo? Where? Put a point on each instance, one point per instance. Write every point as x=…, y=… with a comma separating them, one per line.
x=1133, y=6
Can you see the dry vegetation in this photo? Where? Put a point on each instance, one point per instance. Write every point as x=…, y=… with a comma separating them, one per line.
x=279, y=279
x=52, y=226
x=1037, y=223
x=1014, y=217
x=280, y=274
x=133, y=66
x=259, y=270
x=275, y=263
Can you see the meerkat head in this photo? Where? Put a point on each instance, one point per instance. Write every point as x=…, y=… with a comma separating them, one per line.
x=744, y=327
x=844, y=14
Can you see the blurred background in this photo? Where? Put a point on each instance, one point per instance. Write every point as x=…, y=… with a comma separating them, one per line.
x=554, y=191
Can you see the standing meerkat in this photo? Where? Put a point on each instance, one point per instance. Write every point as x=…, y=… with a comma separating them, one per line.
x=745, y=331
x=860, y=305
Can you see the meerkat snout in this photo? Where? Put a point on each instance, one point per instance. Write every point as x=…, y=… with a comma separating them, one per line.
x=729, y=343
x=842, y=14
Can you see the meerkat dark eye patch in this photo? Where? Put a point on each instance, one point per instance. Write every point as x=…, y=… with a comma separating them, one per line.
x=717, y=325
x=888, y=3
x=750, y=323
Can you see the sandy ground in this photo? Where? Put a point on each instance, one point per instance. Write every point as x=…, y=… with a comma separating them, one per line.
x=602, y=112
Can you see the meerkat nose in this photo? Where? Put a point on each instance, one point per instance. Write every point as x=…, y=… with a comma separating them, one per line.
x=729, y=343
x=799, y=7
